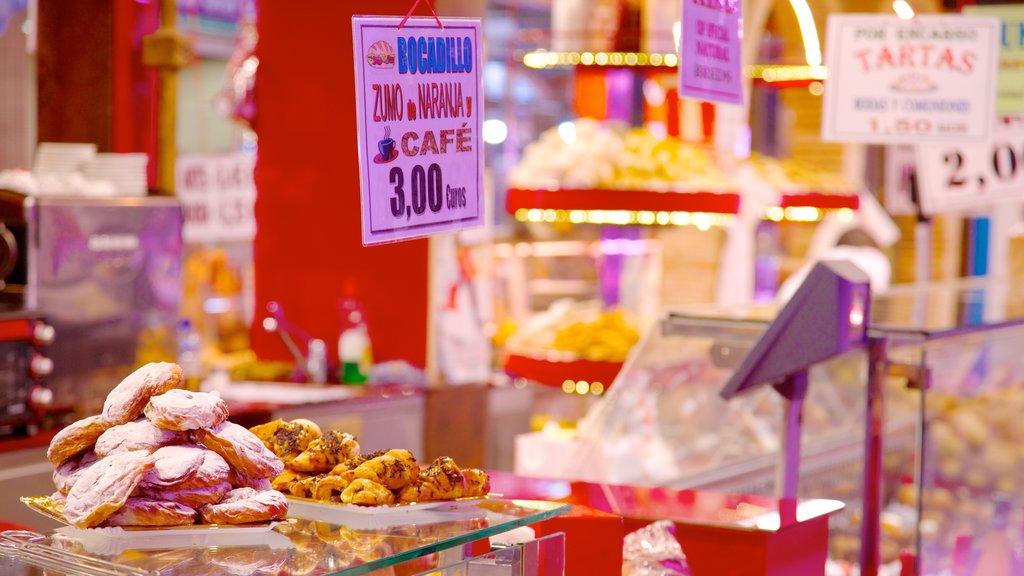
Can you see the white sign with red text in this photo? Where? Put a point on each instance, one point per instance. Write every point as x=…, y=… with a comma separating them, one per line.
x=217, y=195
x=961, y=177
x=900, y=81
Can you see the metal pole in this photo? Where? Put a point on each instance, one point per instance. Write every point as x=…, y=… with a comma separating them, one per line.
x=874, y=426
x=787, y=478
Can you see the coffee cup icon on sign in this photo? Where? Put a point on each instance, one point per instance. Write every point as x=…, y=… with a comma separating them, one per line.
x=386, y=146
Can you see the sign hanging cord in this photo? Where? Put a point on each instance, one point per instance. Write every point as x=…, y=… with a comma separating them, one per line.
x=413, y=8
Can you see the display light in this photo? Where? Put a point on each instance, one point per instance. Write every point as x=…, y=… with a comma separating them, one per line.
x=702, y=220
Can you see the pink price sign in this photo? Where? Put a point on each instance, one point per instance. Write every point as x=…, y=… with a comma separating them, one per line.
x=419, y=113
x=710, y=51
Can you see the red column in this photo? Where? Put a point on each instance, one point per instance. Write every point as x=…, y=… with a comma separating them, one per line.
x=308, y=248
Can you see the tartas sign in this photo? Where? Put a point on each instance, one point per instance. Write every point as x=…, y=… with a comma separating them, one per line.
x=419, y=113
x=897, y=81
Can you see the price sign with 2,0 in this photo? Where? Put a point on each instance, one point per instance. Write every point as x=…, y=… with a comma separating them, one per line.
x=960, y=177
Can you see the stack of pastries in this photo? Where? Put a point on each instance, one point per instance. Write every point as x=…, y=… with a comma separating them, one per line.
x=329, y=467
x=162, y=456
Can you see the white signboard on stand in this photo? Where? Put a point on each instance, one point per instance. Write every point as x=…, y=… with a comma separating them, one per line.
x=900, y=81
x=958, y=177
x=218, y=195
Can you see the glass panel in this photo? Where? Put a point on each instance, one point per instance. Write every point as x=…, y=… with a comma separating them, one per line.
x=971, y=488
x=314, y=547
x=544, y=556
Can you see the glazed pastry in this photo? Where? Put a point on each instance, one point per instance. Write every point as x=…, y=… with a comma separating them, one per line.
x=442, y=480
x=284, y=480
x=175, y=465
x=191, y=497
x=213, y=470
x=329, y=489
x=138, y=435
x=306, y=487
x=104, y=487
x=241, y=448
x=396, y=469
x=478, y=483
x=239, y=480
x=145, y=512
x=65, y=475
x=129, y=398
x=362, y=492
x=326, y=452
x=287, y=439
x=75, y=438
x=184, y=410
x=245, y=506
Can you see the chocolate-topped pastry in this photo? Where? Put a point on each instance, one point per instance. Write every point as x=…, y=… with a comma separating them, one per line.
x=326, y=452
x=396, y=469
x=363, y=492
x=287, y=439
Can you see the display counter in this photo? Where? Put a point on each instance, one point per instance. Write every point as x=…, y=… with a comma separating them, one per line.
x=389, y=542
x=951, y=460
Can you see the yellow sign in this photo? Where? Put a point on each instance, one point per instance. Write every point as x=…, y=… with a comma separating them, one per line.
x=1010, y=95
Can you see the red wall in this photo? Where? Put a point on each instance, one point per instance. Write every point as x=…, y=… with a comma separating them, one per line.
x=308, y=246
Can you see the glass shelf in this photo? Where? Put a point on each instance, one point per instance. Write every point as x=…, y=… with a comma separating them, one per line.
x=308, y=546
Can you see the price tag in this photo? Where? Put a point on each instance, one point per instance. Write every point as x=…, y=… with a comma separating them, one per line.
x=217, y=195
x=419, y=111
x=710, y=51
x=898, y=81
x=960, y=177
x=1010, y=94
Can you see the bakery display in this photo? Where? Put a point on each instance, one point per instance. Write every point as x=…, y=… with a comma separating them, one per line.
x=576, y=329
x=161, y=456
x=330, y=467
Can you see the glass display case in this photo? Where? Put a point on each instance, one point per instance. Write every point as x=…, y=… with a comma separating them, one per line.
x=953, y=390
x=958, y=348
x=399, y=542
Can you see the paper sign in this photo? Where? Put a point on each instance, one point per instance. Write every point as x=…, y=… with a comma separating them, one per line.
x=958, y=177
x=900, y=165
x=709, y=59
x=217, y=196
x=419, y=111
x=1010, y=93
x=900, y=81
